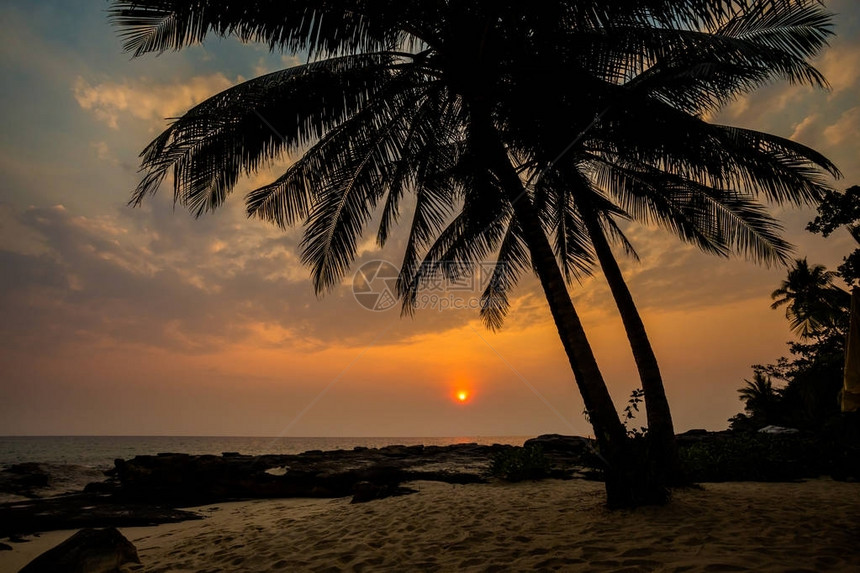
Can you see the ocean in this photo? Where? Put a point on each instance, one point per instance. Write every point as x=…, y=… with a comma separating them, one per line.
x=99, y=452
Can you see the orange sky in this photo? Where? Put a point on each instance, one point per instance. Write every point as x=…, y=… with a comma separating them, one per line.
x=145, y=321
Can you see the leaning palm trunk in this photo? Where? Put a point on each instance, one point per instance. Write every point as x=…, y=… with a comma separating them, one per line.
x=628, y=482
x=661, y=432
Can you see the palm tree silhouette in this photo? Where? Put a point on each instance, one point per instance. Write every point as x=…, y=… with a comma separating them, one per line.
x=760, y=398
x=427, y=98
x=813, y=304
x=705, y=195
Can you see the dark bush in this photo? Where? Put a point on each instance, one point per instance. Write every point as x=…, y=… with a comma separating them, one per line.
x=744, y=456
x=518, y=464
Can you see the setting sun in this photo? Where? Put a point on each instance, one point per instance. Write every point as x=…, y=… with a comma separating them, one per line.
x=462, y=396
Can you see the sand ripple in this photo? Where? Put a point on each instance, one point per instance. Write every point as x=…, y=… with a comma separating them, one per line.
x=563, y=526
x=544, y=526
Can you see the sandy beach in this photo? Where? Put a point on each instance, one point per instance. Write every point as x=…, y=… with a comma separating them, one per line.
x=547, y=525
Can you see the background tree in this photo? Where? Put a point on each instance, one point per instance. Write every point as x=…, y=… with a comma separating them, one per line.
x=761, y=400
x=813, y=304
x=818, y=311
x=837, y=210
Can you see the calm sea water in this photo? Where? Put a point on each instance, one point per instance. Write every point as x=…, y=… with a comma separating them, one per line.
x=101, y=451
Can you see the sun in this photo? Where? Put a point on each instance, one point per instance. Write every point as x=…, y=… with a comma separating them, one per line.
x=462, y=396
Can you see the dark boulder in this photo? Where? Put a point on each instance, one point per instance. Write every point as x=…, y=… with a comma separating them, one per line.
x=557, y=443
x=699, y=436
x=24, y=479
x=365, y=491
x=81, y=510
x=87, y=551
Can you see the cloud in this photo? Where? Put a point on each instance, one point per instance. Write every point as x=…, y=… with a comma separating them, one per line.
x=144, y=99
x=768, y=102
x=845, y=130
x=841, y=66
x=157, y=278
x=807, y=130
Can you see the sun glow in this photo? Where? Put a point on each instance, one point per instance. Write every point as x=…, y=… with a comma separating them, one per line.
x=462, y=396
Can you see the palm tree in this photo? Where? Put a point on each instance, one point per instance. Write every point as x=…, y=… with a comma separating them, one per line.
x=376, y=119
x=760, y=399
x=746, y=48
x=418, y=97
x=813, y=304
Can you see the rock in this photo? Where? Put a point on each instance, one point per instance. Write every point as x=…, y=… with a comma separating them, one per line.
x=401, y=451
x=778, y=430
x=365, y=491
x=695, y=432
x=558, y=443
x=4, y=547
x=100, y=487
x=81, y=510
x=183, y=481
x=87, y=551
x=699, y=436
x=24, y=479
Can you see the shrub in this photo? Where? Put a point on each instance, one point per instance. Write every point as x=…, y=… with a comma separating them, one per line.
x=752, y=457
x=518, y=464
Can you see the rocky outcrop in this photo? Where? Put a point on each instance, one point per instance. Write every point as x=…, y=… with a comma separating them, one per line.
x=87, y=551
x=182, y=480
x=142, y=490
x=24, y=479
x=82, y=510
x=574, y=447
x=365, y=491
x=186, y=480
x=33, y=480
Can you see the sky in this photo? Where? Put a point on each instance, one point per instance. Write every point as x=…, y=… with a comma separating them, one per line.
x=145, y=321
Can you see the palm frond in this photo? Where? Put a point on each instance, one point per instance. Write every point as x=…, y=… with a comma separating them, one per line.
x=320, y=28
x=512, y=259
x=717, y=221
x=241, y=128
x=353, y=188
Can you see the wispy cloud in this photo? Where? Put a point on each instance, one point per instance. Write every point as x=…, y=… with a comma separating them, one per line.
x=144, y=99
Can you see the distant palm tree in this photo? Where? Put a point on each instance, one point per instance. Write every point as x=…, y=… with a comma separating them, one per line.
x=813, y=304
x=760, y=398
x=427, y=98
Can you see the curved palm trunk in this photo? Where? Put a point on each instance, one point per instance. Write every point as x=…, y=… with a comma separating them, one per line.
x=627, y=485
x=611, y=434
x=661, y=431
